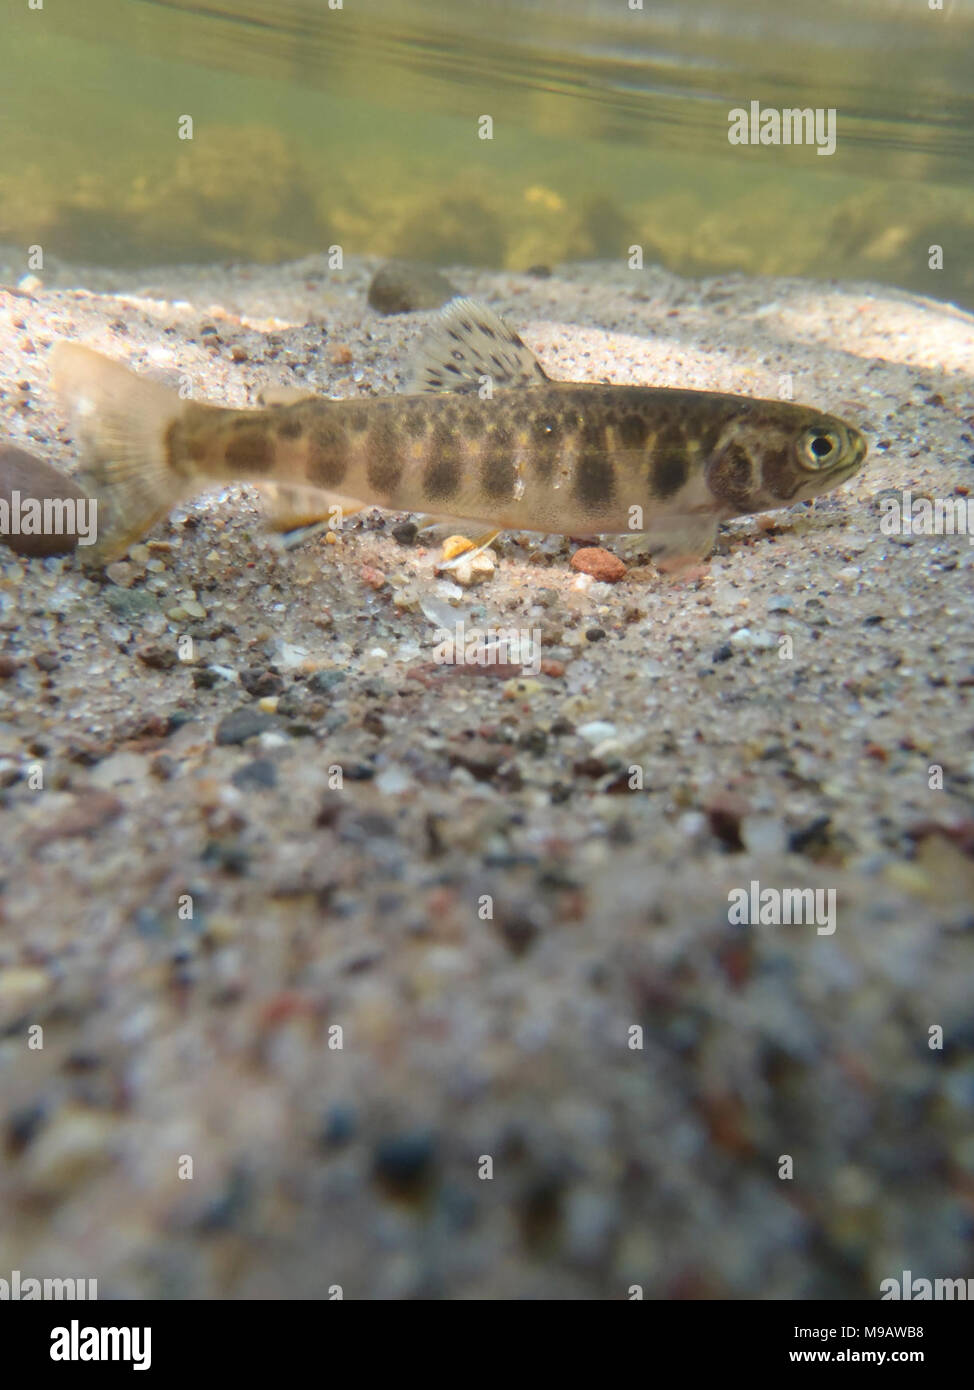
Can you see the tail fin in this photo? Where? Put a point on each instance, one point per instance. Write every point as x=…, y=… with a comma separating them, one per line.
x=121, y=421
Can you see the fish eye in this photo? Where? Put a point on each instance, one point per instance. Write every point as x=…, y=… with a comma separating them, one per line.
x=819, y=448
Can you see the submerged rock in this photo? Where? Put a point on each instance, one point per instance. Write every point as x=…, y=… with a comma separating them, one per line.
x=400, y=287
x=25, y=479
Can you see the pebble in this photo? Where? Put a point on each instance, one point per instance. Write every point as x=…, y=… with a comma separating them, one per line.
x=324, y=681
x=157, y=657
x=456, y=545
x=130, y=603
x=405, y=532
x=394, y=779
x=404, y=1162
x=600, y=564
x=241, y=725
x=400, y=287
x=474, y=569
x=73, y=1144
x=597, y=731
x=22, y=983
x=261, y=773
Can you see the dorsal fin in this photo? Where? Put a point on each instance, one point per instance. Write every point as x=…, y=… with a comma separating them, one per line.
x=467, y=342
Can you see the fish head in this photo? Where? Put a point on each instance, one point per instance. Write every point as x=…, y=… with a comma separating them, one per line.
x=777, y=453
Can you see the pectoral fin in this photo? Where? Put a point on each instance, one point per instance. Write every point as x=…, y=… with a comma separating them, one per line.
x=289, y=506
x=679, y=543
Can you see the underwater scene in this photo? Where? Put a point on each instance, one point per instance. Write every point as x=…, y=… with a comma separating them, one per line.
x=486, y=654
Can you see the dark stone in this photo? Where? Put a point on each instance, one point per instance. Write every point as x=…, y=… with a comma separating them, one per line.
x=261, y=773
x=324, y=681
x=157, y=657
x=406, y=532
x=242, y=724
x=400, y=287
x=404, y=1163
x=260, y=683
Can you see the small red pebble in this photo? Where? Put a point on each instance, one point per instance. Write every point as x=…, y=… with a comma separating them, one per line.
x=552, y=668
x=600, y=564
x=373, y=577
x=877, y=751
x=341, y=355
x=282, y=1007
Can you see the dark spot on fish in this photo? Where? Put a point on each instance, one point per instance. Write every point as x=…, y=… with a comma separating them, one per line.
x=486, y=329
x=466, y=325
x=500, y=436
x=442, y=475
x=358, y=420
x=383, y=464
x=196, y=447
x=593, y=436
x=546, y=440
x=249, y=451
x=497, y=473
x=668, y=471
x=594, y=479
x=290, y=428
x=780, y=476
x=633, y=431
x=729, y=476
x=473, y=423
x=416, y=424
x=328, y=454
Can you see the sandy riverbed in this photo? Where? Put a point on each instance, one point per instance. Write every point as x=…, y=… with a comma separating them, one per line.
x=316, y=909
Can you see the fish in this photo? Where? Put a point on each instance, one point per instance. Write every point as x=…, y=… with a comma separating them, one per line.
x=481, y=433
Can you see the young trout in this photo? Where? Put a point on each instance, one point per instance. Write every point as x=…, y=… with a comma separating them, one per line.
x=483, y=434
